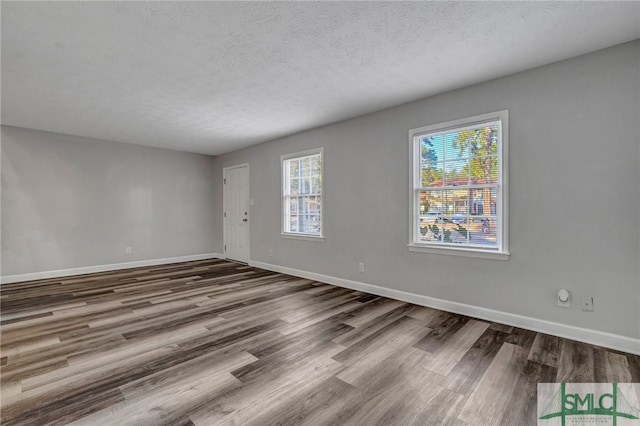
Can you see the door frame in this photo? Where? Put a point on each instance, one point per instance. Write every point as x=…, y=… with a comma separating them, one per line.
x=224, y=201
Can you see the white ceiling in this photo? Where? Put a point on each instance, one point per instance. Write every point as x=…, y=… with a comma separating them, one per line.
x=212, y=77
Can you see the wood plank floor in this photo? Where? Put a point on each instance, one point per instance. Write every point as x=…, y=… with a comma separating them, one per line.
x=216, y=343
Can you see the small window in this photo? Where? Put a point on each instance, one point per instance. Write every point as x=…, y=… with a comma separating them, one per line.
x=302, y=194
x=459, y=192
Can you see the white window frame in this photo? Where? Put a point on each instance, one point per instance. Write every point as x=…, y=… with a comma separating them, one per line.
x=285, y=203
x=502, y=198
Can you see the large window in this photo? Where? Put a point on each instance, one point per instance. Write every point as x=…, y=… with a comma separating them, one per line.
x=459, y=192
x=302, y=194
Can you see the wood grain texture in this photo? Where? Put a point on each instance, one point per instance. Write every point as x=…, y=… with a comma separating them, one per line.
x=213, y=342
x=488, y=402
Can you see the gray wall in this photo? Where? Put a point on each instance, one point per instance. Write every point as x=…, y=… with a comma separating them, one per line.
x=574, y=195
x=71, y=202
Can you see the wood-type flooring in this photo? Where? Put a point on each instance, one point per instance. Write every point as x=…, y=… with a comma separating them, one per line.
x=213, y=342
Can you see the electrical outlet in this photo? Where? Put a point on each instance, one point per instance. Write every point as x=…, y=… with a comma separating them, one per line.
x=361, y=266
x=586, y=303
x=128, y=250
x=271, y=252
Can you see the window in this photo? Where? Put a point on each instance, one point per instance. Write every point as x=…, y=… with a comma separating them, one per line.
x=459, y=191
x=302, y=194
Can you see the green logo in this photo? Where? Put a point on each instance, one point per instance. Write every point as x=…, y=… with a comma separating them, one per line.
x=587, y=400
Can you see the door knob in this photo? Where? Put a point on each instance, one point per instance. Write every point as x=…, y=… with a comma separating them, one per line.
x=245, y=220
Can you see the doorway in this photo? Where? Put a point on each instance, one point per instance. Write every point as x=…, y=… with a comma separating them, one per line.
x=236, y=212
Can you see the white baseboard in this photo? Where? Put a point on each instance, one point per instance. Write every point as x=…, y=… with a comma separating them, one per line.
x=102, y=268
x=594, y=337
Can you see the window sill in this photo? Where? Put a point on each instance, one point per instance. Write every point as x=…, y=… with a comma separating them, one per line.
x=454, y=251
x=315, y=238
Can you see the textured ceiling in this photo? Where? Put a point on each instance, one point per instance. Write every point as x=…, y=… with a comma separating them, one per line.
x=211, y=77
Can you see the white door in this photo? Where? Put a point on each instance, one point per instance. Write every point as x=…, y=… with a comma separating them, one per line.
x=236, y=213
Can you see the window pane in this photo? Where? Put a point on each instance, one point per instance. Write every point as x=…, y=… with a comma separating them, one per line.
x=456, y=145
x=315, y=205
x=430, y=202
x=316, y=165
x=316, y=185
x=432, y=174
x=431, y=150
x=304, y=185
x=302, y=223
x=293, y=224
x=448, y=203
x=456, y=172
x=484, y=141
x=294, y=186
x=454, y=232
x=483, y=231
x=483, y=201
x=460, y=201
x=294, y=205
x=307, y=185
x=294, y=168
x=436, y=230
x=305, y=167
x=311, y=205
x=484, y=169
x=456, y=219
x=310, y=211
x=312, y=225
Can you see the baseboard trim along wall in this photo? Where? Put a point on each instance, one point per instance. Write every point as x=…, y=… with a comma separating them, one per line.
x=102, y=268
x=594, y=337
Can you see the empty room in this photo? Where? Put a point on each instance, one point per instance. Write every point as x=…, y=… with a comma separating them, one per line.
x=320, y=213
